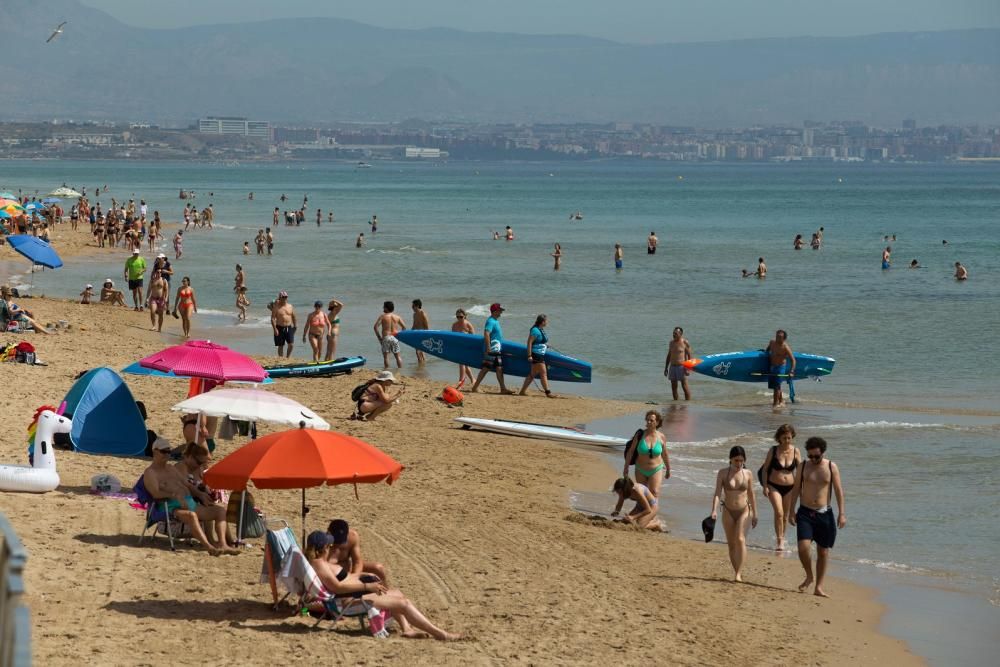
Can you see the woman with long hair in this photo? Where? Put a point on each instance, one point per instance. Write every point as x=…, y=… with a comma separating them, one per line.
x=538, y=345
x=186, y=304
x=734, y=491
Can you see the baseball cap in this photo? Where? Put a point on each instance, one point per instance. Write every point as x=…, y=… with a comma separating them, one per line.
x=495, y=307
x=318, y=539
x=161, y=256
x=135, y=252
x=89, y=286
x=282, y=294
x=337, y=531
x=317, y=304
x=162, y=444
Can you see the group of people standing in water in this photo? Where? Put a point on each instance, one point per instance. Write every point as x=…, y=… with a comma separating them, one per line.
x=787, y=478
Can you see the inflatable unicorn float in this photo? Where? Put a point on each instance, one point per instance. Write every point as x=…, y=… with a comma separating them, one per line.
x=41, y=475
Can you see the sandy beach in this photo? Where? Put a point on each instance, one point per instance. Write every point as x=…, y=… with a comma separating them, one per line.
x=477, y=532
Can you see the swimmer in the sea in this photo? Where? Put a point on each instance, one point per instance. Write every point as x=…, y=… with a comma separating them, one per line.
x=961, y=273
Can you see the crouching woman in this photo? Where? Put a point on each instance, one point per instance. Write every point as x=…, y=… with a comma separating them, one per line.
x=339, y=582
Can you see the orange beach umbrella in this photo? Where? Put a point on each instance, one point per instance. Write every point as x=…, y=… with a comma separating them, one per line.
x=303, y=458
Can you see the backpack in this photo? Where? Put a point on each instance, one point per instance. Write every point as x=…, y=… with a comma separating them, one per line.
x=359, y=391
x=635, y=452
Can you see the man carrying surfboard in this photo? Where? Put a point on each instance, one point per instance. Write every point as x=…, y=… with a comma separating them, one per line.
x=780, y=355
x=492, y=346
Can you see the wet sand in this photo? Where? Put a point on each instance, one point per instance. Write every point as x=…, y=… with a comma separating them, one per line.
x=477, y=532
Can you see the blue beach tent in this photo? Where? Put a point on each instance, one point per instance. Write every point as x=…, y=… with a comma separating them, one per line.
x=105, y=417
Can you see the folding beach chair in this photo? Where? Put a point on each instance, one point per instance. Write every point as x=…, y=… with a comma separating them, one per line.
x=157, y=516
x=285, y=564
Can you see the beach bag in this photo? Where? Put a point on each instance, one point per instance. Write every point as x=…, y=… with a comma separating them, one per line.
x=760, y=470
x=253, y=526
x=359, y=391
x=635, y=452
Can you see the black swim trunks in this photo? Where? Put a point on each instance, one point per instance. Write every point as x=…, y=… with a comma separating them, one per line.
x=493, y=362
x=815, y=526
x=135, y=284
x=285, y=334
x=651, y=250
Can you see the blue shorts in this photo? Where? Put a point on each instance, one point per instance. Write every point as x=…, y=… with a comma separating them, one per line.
x=885, y=265
x=818, y=527
x=773, y=380
x=618, y=264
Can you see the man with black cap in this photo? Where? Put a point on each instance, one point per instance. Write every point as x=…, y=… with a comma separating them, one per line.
x=346, y=551
x=492, y=347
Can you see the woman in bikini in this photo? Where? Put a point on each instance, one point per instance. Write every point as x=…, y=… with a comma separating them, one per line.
x=334, y=308
x=463, y=325
x=780, y=475
x=734, y=489
x=652, y=463
x=643, y=514
x=186, y=304
x=316, y=329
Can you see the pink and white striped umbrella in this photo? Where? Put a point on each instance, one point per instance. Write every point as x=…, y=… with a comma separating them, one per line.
x=205, y=359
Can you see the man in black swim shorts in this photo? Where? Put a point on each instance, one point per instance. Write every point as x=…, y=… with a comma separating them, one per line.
x=814, y=520
x=283, y=324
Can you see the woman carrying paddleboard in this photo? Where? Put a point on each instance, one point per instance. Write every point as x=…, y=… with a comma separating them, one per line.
x=538, y=345
x=648, y=450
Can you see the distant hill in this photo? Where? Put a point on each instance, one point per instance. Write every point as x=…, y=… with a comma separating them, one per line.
x=314, y=70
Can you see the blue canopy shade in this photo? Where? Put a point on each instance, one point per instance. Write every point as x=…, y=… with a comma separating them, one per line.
x=136, y=369
x=4, y=215
x=35, y=249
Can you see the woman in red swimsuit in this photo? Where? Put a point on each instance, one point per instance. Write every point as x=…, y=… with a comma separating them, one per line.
x=186, y=303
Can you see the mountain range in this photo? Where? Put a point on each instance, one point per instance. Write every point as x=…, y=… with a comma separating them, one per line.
x=322, y=70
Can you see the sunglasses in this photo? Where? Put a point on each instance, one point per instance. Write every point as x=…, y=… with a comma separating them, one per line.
x=815, y=457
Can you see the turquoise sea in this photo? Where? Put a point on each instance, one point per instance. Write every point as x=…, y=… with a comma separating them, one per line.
x=912, y=410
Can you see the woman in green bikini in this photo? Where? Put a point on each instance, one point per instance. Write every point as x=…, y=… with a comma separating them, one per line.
x=652, y=462
x=334, y=307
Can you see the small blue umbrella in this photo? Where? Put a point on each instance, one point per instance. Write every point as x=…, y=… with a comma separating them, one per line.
x=34, y=206
x=51, y=200
x=35, y=249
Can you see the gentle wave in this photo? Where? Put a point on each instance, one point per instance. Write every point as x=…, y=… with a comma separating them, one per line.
x=893, y=566
x=878, y=424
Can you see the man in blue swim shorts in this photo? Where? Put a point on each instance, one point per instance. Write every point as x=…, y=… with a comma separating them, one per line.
x=619, y=256
x=781, y=364
x=164, y=482
x=813, y=521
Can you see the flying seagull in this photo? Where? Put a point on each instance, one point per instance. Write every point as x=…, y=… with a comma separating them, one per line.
x=57, y=31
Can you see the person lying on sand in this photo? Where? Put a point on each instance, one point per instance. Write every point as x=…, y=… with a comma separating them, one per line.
x=339, y=581
x=166, y=483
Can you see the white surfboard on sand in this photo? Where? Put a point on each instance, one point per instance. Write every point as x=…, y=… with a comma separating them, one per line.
x=543, y=431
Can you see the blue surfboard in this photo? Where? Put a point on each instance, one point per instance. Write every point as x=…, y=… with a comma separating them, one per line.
x=754, y=366
x=462, y=348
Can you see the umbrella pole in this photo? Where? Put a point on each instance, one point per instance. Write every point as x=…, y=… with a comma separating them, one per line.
x=305, y=510
x=239, y=523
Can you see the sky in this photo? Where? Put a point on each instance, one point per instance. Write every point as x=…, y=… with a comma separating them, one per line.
x=635, y=21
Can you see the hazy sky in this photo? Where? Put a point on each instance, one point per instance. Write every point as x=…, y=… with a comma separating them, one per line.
x=621, y=20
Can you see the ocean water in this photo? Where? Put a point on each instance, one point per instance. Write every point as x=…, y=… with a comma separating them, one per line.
x=912, y=410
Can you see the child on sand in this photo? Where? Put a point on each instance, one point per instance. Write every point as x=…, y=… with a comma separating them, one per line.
x=643, y=514
x=86, y=294
x=242, y=302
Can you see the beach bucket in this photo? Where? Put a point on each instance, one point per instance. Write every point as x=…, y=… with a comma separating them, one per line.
x=452, y=396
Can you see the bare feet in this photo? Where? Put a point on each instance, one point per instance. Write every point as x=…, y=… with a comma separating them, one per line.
x=448, y=637
x=738, y=578
x=780, y=546
x=805, y=584
x=414, y=634
x=212, y=551
x=819, y=592
x=522, y=393
x=509, y=392
x=232, y=551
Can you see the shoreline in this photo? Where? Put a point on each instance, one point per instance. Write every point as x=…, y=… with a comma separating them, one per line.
x=459, y=530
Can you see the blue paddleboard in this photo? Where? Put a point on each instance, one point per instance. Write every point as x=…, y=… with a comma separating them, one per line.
x=754, y=366
x=462, y=348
